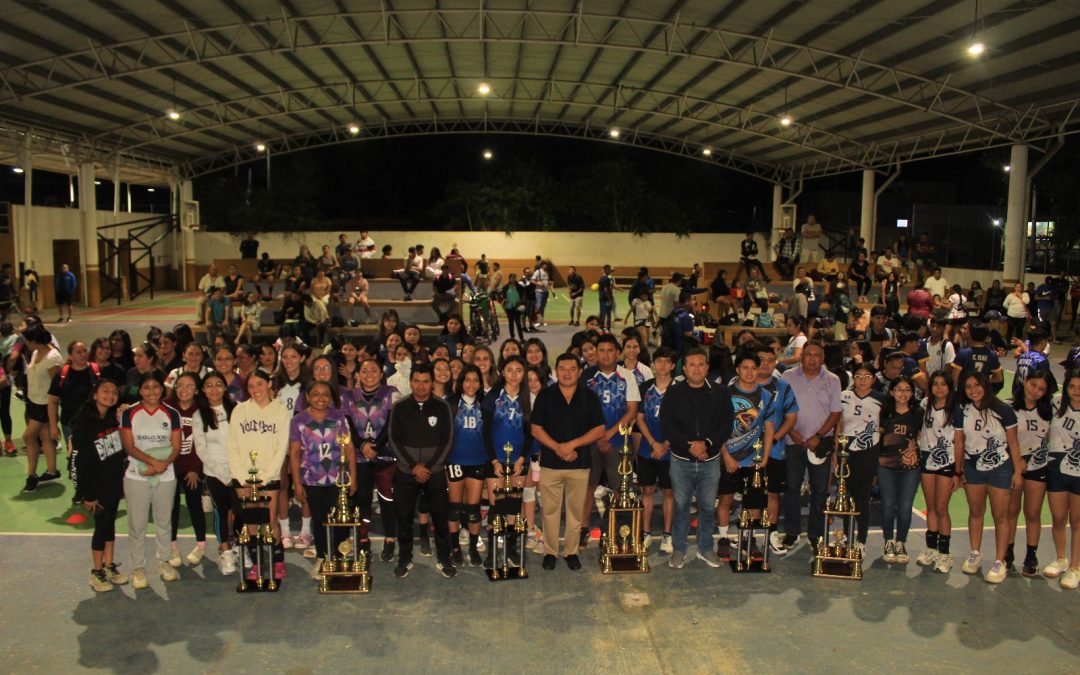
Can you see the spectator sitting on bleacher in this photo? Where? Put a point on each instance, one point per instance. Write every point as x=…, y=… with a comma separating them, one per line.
x=749, y=256
x=234, y=284
x=266, y=270
x=365, y=246
x=756, y=291
x=827, y=269
x=356, y=290
x=343, y=247
x=218, y=315
x=787, y=254
x=208, y=283
x=349, y=264
x=320, y=287
x=292, y=307
x=887, y=262
x=317, y=319
x=409, y=275
x=444, y=295
x=306, y=262
x=250, y=318
x=296, y=283
x=435, y=262
x=326, y=260
x=387, y=252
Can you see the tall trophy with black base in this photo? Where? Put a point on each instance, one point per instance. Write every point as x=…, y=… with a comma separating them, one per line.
x=621, y=547
x=508, y=504
x=345, y=569
x=754, y=498
x=837, y=556
x=256, y=550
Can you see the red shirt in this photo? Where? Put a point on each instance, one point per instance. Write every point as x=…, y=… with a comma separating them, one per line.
x=920, y=303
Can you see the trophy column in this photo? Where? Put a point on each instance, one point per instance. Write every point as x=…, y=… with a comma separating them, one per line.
x=620, y=547
x=754, y=498
x=508, y=502
x=837, y=556
x=345, y=569
x=256, y=550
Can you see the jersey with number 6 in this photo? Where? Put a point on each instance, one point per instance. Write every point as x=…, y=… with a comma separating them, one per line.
x=984, y=433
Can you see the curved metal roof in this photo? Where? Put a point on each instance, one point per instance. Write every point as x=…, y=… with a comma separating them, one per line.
x=867, y=83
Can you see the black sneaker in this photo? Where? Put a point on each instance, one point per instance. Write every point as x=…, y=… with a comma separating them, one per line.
x=1010, y=559
x=573, y=562
x=425, y=546
x=549, y=562
x=1031, y=566
x=583, y=540
x=387, y=551
x=723, y=548
x=448, y=570
x=474, y=558
x=48, y=477
x=456, y=559
x=402, y=569
x=31, y=484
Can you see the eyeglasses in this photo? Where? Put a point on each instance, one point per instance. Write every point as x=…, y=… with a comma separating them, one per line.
x=864, y=376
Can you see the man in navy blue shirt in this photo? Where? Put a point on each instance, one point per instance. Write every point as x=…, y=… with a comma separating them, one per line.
x=1033, y=360
x=977, y=358
x=1044, y=305
x=681, y=324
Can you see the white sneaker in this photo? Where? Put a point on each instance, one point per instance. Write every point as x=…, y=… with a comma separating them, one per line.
x=665, y=544
x=927, y=557
x=973, y=563
x=1071, y=578
x=944, y=563
x=316, y=569
x=174, y=556
x=901, y=553
x=463, y=537
x=138, y=578
x=996, y=573
x=1056, y=568
x=538, y=547
x=227, y=562
x=304, y=541
x=286, y=541
x=196, y=555
x=776, y=543
x=890, y=552
x=167, y=572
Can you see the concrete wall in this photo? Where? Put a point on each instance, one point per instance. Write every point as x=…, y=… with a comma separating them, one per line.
x=51, y=223
x=565, y=248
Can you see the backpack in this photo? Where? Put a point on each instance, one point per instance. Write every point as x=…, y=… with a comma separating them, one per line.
x=765, y=320
x=67, y=369
x=513, y=297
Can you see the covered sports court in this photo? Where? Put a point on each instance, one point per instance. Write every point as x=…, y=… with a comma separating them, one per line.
x=159, y=93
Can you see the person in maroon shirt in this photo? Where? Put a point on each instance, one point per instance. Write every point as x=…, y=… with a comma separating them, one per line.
x=919, y=302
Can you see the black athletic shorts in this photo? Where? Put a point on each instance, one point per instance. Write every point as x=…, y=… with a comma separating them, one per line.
x=776, y=476
x=653, y=471
x=63, y=298
x=37, y=413
x=1038, y=475
x=459, y=472
x=730, y=483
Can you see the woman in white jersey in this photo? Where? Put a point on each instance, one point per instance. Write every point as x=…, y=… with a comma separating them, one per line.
x=939, y=479
x=1063, y=484
x=1033, y=414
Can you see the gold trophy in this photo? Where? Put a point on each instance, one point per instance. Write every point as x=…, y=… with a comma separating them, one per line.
x=346, y=572
x=508, y=504
x=256, y=511
x=754, y=498
x=624, y=553
x=837, y=555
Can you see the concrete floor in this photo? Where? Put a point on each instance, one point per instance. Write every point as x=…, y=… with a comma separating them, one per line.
x=690, y=621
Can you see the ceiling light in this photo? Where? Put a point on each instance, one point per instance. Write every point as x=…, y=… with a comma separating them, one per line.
x=614, y=132
x=997, y=221
x=1007, y=168
x=354, y=129
x=488, y=154
x=483, y=89
x=172, y=114
x=976, y=49
x=786, y=121
x=707, y=152
x=261, y=147
x=150, y=190
x=97, y=182
x=17, y=169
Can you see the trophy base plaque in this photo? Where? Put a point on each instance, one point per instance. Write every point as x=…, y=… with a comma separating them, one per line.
x=744, y=561
x=261, y=558
x=836, y=556
x=621, y=551
x=348, y=572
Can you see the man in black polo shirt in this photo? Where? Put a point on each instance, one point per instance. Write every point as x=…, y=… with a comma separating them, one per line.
x=421, y=431
x=566, y=420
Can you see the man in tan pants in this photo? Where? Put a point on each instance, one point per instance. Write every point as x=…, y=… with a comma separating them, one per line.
x=566, y=420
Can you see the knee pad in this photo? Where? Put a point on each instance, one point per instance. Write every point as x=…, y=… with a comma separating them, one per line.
x=472, y=513
x=454, y=515
x=529, y=495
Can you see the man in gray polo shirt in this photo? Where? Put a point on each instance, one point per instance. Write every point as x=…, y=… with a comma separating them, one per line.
x=810, y=445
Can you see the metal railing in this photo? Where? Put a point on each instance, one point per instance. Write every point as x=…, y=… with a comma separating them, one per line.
x=138, y=242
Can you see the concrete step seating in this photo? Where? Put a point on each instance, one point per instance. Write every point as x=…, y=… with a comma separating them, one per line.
x=378, y=289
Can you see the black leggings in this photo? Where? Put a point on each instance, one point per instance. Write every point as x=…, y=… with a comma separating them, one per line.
x=862, y=285
x=1014, y=328
x=193, y=498
x=513, y=321
x=377, y=476
x=225, y=504
x=5, y=411
x=105, y=519
x=320, y=499
x=863, y=470
x=1075, y=304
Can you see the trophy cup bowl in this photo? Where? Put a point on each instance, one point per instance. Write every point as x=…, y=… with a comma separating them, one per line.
x=624, y=534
